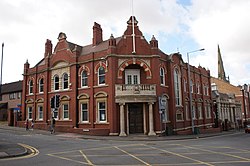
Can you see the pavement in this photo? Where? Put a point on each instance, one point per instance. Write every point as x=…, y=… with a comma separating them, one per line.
x=9, y=149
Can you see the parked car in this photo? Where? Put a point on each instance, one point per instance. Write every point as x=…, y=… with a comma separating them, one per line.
x=247, y=129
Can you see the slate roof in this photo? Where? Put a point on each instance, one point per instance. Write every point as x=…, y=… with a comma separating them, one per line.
x=12, y=87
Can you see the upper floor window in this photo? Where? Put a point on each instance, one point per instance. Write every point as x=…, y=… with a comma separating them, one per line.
x=198, y=88
x=132, y=76
x=177, y=87
x=162, y=76
x=41, y=85
x=191, y=86
x=185, y=85
x=56, y=82
x=30, y=87
x=84, y=78
x=101, y=76
x=12, y=96
x=206, y=90
x=65, y=81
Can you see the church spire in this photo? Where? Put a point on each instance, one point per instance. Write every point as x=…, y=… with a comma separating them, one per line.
x=221, y=71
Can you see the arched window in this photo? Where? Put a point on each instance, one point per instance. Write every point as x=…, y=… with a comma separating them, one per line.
x=177, y=87
x=162, y=76
x=84, y=78
x=101, y=76
x=56, y=82
x=41, y=85
x=65, y=81
x=31, y=87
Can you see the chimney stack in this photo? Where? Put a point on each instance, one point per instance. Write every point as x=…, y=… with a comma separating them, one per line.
x=48, y=48
x=97, y=34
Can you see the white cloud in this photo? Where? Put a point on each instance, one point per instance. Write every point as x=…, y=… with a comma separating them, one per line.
x=26, y=24
x=225, y=23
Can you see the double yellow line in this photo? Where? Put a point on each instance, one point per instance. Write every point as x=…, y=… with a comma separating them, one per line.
x=33, y=152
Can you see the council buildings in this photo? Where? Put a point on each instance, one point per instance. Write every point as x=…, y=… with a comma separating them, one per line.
x=119, y=86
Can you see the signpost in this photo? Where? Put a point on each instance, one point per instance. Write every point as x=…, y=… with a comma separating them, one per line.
x=163, y=111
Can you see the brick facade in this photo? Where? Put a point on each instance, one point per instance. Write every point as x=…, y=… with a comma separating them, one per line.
x=106, y=88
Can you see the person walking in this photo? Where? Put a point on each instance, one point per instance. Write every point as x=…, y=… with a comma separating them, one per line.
x=32, y=124
x=53, y=122
x=27, y=124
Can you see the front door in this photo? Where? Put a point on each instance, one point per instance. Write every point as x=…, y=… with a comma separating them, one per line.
x=135, y=118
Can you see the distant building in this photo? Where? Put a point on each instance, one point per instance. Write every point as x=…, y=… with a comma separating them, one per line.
x=119, y=86
x=227, y=106
x=230, y=104
x=11, y=94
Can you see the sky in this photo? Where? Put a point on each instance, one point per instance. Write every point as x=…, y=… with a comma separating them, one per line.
x=178, y=25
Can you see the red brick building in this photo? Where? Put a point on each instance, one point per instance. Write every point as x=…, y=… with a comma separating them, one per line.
x=113, y=87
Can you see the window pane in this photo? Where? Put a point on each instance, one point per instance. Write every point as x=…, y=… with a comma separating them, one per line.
x=84, y=112
x=84, y=78
x=65, y=111
x=31, y=87
x=101, y=75
x=102, y=111
x=41, y=84
x=135, y=79
x=56, y=83
x=65, y=81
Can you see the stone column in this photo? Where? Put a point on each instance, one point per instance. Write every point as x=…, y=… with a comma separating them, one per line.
x=144, y=119
x=151, y=120
x=122, y=121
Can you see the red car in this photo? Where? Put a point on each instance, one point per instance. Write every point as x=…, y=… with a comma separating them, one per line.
x=247, y=129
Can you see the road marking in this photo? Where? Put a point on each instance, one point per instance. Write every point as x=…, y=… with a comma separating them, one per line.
x=210, y=151
x=52, y=155
x=131, y=155
x=176, y=154
x=34, y=152
x=86, y=158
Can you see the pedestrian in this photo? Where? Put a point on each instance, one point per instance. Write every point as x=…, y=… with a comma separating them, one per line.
x=32, y=124
x=53, y=122
x=27, y=124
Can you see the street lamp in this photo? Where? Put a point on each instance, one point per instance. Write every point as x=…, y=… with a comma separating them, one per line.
x=244, y=107
x=190, y=86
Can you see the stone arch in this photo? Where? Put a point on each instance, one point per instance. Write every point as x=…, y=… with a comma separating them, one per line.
x=99, y=65
x=65, y=98
x=84, y=68
x=100, y=94
x=29, y=101
x=83, y=96
x=134, y=61
x=40, y=100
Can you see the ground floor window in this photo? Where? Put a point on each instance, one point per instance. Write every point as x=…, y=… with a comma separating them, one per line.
x=200, y=112
x=179, y=115
x=55, y=113
x=84, y=112
x=102, y=112
x=65, y=111
x=208, y=111
x=29, y=113
x=40, y=112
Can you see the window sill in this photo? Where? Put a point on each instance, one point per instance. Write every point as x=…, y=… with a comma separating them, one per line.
x=84, y=87
x=101, y=123
x=99, y=86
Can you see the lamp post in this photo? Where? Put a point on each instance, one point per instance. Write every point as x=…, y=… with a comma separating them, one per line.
x=1, y=73
x=244, y=107
x=190, y=86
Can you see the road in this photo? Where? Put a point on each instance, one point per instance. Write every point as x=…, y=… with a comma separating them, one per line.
x=63, y=149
